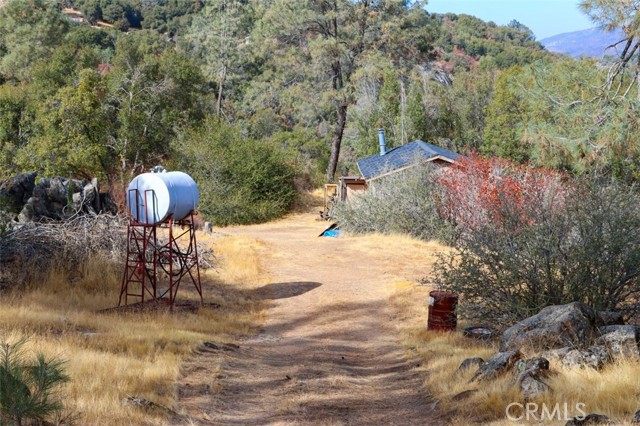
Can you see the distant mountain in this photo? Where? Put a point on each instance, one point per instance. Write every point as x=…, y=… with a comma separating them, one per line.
x=592, y=43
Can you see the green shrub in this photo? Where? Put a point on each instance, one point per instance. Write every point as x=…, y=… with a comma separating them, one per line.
x=27, y=385
x=240, y=180
x=586, y=248
x=404, y=202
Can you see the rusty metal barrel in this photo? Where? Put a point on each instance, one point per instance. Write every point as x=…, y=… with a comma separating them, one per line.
x=442, y=311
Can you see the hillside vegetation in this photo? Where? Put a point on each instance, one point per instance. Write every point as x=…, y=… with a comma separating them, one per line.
x=310, y=82
x=109, y=88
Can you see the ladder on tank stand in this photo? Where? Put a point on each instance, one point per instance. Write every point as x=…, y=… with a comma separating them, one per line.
x=177, y=258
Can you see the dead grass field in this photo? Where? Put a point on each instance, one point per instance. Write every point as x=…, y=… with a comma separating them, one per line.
x=114, y=355
x=614, y=391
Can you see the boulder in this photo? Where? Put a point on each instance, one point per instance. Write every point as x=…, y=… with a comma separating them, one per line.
x=574, y=324
x=531, y=374
x=590, y=420
x=595, y=357
x=470, y=362
x=497, y=364
x=18, y=189
x=621, y=340
x=532, y=385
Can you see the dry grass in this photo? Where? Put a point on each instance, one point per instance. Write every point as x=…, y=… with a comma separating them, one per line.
x=614, y=391
x=113, y=355
x=311, y=201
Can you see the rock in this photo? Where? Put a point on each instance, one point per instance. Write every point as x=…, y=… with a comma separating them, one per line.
x=500, y=362
x=555, y=354
x=531, y=374
x=590, y=420
x=470, y=362
x=96, y=202
x=535, y=364
x=532, y=385
x=54, y=198
x=621, y=340
x=217, y=346
x=107, y=203
x=636, y=418
x=140, y=402
x=89, y=192
x=594, y=357
x=464, y=395
x=553, y=327
x=611, y=318
x=18, y=189
x=480, y=333
x=208, y=227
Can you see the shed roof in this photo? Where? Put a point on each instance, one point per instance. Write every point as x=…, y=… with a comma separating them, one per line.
x=401, y=157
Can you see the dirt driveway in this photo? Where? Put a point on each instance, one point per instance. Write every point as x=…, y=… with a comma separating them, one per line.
x=328, y=353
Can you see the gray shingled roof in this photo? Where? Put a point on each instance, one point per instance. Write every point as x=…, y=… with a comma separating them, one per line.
x=400, y=157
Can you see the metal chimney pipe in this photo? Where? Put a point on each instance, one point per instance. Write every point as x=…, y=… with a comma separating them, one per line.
x=383, y=141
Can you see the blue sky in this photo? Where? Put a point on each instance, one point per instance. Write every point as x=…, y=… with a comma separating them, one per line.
x=545, y=17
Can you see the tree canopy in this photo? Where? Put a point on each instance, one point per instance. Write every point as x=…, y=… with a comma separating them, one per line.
x=109, y=88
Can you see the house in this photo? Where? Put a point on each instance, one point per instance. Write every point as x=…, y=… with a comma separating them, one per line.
x=403, y=157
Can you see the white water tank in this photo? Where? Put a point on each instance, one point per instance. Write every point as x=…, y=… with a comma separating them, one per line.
x=161, y=195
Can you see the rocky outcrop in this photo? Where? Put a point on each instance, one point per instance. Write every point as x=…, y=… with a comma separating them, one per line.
x=574, y=325
x=55, y=198
x=17, y=190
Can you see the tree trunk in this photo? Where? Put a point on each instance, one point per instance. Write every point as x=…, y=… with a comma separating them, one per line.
x=336, y=142
x=221, y=81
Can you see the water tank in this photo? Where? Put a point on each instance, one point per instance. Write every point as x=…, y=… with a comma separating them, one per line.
x=160, y=195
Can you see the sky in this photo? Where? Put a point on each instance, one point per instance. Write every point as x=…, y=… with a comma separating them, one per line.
x=545, y=17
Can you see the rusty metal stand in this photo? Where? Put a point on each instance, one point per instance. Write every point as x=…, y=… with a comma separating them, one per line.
x=140, y=276
x=178, y=258
x=180, y=262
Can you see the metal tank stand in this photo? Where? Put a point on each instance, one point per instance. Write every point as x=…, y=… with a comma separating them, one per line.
x=179, y=257
x=147, y=249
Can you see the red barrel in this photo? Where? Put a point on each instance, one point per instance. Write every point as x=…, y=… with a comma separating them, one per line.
x=442, y=311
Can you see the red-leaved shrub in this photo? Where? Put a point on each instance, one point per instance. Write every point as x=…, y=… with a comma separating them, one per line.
x=477, y=191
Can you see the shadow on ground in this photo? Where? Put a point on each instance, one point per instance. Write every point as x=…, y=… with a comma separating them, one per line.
x=283, y=290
